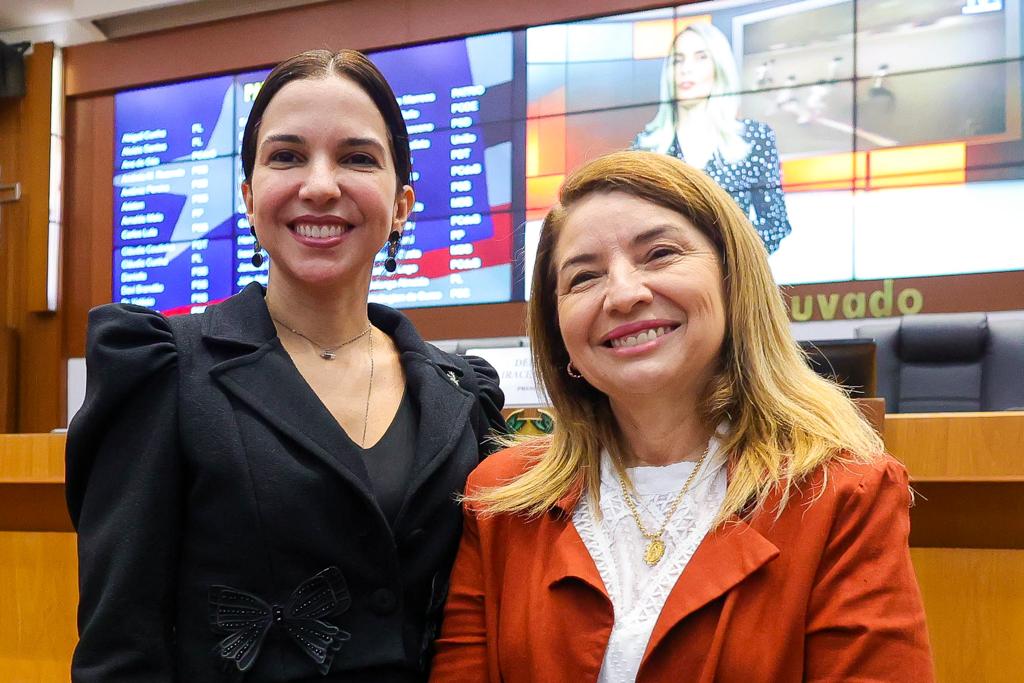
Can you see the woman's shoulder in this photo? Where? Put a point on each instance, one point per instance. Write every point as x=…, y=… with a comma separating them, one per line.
x=841, y=497
x=848, y=476
x=127, y=345
x=125, y=328
x=507, y=464
x=864, y=487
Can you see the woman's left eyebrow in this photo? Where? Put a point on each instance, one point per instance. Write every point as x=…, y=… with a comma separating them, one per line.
x=654, y=233
x=361, y=142
x=286, y=138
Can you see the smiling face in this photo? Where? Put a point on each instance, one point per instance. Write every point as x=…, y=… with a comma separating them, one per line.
x=641, y=306
x=693, y=67
x=323, y=193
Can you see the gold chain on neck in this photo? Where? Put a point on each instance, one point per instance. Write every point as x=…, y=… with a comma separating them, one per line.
x=656, y=548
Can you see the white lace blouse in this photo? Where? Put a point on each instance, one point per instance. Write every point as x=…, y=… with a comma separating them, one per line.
x=637, y=591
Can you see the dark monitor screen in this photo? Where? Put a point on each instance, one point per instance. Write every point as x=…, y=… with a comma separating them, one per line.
x=849, y=362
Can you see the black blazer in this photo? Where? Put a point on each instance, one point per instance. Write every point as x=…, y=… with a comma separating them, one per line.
x=220, y=526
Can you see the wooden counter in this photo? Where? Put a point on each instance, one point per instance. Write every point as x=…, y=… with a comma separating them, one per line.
x=967, y=543
x=967, y=537
x=38, y=561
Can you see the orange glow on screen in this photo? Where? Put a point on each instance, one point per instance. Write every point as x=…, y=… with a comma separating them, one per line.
x=938, y=164
x=542, y=191
x=825, y=172
x=942, y=164
x=545, y=146
x=653, y=39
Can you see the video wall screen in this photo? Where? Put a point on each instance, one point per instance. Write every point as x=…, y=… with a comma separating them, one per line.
x=457, y=101
x=864, y=139
x=181, y=238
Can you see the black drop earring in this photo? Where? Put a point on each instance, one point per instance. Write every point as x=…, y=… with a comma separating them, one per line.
x=391, y=263
x=257, y=255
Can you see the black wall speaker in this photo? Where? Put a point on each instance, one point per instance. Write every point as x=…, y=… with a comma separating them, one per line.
x=12, y=69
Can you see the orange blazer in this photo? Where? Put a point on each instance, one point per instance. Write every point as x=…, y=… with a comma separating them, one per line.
x=825, y=593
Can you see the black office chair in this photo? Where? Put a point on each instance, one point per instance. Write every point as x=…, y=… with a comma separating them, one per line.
x=956, y=362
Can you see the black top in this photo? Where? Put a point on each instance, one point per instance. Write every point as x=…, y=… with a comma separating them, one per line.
x=389, y=461
x=224, y=531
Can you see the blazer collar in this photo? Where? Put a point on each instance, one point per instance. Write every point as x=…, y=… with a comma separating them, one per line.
x=569, y=558
x=723, y=560
x=258, y=372
x=243, y=320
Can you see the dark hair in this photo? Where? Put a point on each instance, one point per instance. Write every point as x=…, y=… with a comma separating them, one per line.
x=320, y=64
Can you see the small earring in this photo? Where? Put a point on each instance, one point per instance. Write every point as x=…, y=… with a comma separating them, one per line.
x=257, y=255
x=391, y=263
x=572, y=371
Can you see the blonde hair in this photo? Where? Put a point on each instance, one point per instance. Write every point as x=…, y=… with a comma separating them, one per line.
x=785, y=421
x=722, y=107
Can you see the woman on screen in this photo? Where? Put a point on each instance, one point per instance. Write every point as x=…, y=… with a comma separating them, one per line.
x=697, y=122
x=266, y=490
x=707, y=507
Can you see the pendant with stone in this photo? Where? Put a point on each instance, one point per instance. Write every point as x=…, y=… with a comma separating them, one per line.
x=328, y=354
x=655, y=551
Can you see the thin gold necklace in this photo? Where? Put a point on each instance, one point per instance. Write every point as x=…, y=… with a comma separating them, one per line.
x=329, y=354
x=325, y=352
x=656, y=546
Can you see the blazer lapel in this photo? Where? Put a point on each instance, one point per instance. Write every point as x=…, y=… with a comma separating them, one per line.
x=444, y=406
x=569, y=560
x=725, y=558
x=260, y=374
x=444, y=409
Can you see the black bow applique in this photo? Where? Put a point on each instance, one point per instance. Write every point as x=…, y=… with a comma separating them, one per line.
x=247, y=619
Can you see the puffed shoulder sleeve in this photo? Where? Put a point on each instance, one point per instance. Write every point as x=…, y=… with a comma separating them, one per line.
x=490, y=400
x=123, y=487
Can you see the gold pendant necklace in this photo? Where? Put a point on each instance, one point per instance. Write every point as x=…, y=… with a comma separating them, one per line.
x=655, y=551
x=656, y=546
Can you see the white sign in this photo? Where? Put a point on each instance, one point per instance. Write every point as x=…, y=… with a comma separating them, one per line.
x=515, y=370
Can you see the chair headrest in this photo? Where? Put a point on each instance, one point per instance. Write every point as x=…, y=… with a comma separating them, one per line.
x=943, y=338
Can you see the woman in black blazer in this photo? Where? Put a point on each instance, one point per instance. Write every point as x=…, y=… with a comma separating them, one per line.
x=266, y=491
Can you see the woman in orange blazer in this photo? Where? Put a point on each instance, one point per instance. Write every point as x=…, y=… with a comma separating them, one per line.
x=707, y=508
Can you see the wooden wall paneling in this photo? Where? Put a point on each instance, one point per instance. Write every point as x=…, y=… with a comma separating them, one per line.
x=12, y=219
x=975, y=611
x=8, y=379
x=35, y=172
x=467, y=322
x=24, y=154
x=41, y=396
x=42, y=400
x=12, y=214
x=88, y=215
